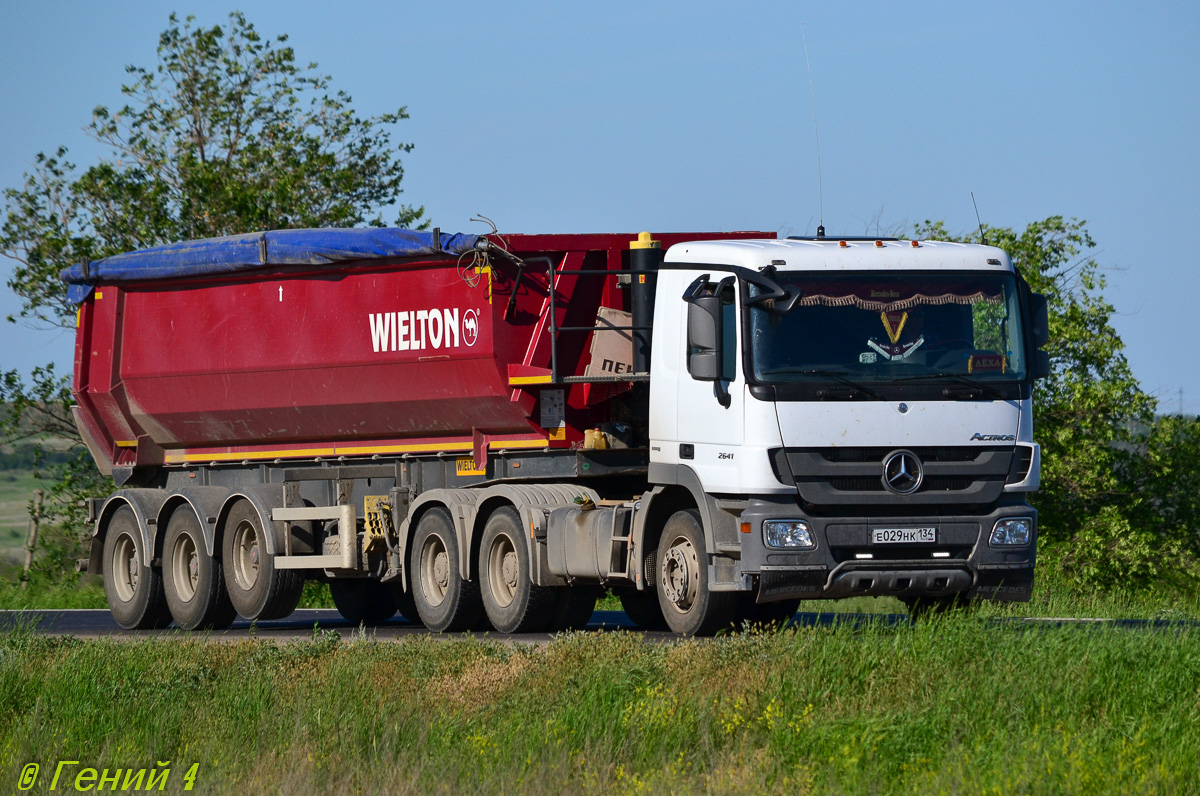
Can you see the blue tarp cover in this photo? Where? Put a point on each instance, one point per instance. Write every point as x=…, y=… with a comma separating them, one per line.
x=245, y=253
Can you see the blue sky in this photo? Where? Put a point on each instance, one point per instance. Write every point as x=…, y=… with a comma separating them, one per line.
x=565, y=117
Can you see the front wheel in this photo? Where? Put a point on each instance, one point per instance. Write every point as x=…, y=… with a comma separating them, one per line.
x=688, y=605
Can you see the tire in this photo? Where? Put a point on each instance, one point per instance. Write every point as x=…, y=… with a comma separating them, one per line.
x=362, y=601
x=134, y=590
x=512, y=601
x=256, y=588
x=574, y=608
x=406, y=604
x=192, y=579
x=776, y=614
x=643, y=609
x=682, y=583
x=444, y=601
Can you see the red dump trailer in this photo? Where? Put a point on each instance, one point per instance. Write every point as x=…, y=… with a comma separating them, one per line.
x=432, y=351
x=245, y=392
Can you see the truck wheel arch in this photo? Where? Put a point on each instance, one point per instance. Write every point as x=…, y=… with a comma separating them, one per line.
x=457, y=502
x=658, y=505
x=207, y=502
x=673, y=479
x=264, y=498
x=145, y=504
x=532, y=501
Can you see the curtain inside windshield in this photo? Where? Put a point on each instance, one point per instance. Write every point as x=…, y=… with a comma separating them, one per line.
x=882, y=327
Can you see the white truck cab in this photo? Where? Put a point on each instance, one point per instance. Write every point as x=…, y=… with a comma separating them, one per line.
x=852, y=416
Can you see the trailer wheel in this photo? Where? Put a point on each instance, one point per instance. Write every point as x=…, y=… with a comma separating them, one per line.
x=574, y=608
x=513, y=602
x=444, y=600
x=193, y=580
x=134, y=590
x=687, y=604
x=406, y=604
x=256, y=588
x=361, y=601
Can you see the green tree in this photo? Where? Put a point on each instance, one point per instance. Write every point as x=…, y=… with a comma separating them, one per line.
x=1091, y=419
x=226, y=134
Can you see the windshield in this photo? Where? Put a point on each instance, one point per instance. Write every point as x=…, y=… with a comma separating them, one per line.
x=882, y=327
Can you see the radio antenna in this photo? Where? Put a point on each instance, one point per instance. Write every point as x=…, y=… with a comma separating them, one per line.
x=982, y=235
x=817, y=135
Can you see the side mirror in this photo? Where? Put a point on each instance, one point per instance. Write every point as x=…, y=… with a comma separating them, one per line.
x=1041, y=364
x=1039, y=315
x=705, y=347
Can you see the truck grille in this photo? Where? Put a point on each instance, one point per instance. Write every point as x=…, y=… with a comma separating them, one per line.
x=952, y=474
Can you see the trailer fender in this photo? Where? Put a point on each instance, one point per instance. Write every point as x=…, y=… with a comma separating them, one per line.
x=265, y=498
x=145, y=504
x=206, y=502
x=533, y=503
x=461, y=505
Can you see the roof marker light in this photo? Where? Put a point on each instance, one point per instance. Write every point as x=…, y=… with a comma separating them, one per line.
x=916, y=243
x=878, y=244
x=842, y=244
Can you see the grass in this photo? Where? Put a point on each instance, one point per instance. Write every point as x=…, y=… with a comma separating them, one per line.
x=16, y=490
x=955, y=705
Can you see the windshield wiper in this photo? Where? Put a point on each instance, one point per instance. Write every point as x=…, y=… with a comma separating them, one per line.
x=961, y=379
x=832, y=374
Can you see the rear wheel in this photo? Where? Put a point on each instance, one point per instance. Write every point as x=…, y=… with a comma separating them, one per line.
x=256, y=588
x=192, y=579
x=513, y=603
x=133, y=589
x=361, y=601
x=643, y=609
x=444, y=601
x=683, y=587
x=574, y=607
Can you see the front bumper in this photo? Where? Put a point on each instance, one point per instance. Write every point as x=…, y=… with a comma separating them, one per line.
x=845, y=562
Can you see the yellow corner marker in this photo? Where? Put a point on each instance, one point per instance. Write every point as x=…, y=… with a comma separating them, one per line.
x=519, y=380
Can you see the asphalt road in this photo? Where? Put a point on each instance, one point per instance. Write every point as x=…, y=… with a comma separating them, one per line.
x=303, y=623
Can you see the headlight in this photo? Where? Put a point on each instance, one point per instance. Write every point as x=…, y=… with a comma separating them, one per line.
x=1014, y=531
x=788, y=533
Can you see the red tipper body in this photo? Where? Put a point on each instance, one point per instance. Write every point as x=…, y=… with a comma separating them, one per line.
x=386, y=356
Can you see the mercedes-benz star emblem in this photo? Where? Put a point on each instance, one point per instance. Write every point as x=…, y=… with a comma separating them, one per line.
x=902, y=473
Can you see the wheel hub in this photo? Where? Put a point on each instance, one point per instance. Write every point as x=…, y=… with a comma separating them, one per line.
x=510, y=570
x=677, y=578
x=441, y=570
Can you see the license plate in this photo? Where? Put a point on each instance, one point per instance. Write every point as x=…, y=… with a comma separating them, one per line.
x=903, y=535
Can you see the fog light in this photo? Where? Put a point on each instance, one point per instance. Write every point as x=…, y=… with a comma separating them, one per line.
x=1013, y=531
x=794, y=534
